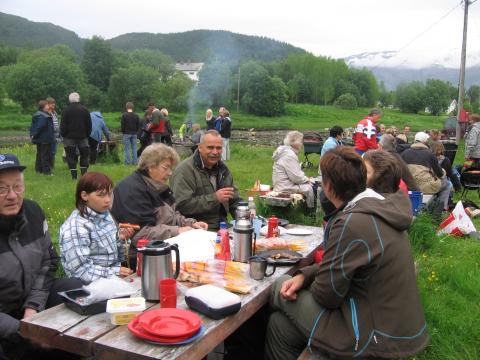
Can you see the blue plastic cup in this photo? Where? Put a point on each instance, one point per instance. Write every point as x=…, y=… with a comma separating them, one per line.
x=416, y=198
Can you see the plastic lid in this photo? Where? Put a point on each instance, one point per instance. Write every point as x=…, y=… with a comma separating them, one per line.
x=223, y=225
x=250, y=198
x=115, y=306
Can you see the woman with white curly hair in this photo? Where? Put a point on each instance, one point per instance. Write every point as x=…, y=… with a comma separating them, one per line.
x=287, y=173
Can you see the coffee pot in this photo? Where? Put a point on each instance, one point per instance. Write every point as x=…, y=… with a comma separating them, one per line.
x=157, y=265
x=243, y=234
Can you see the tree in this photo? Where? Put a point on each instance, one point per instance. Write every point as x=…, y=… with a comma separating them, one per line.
x=155, y=59
x=214, y=85
x=175, y=92
x=97, y=62
x=298, y=89
x=136, y=83
x=473, y=94
x=28, y=55
x=437, y=95
x=346, y=101
x=55, y=76
x=265, y=95
x=385, y=97
x=8, y=55
x=410, y=97
x=367, y=86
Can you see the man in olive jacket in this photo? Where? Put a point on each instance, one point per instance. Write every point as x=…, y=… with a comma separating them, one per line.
x=362, y=300
x=203, y=185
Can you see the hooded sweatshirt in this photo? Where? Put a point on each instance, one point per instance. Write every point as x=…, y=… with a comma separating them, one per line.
x=366, y=282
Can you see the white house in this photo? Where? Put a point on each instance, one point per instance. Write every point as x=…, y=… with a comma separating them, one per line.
x=190, y=69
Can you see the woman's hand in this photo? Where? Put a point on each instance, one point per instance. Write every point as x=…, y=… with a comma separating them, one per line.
x=182, y=229
x=125, y=233
x=125, y=271
x=200, y=225
x=291, y=286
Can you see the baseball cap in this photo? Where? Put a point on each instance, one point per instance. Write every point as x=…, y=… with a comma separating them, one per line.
x=10, y=162
x=421, y=137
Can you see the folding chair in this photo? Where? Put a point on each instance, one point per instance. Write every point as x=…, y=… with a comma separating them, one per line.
x=470, y=181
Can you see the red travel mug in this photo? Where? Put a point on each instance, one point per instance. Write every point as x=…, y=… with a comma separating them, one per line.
x=168, y=293
x=319, y=255
x=140, y=243
x=272, y=227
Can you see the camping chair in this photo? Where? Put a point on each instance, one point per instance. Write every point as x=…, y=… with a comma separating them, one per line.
x=470, y=181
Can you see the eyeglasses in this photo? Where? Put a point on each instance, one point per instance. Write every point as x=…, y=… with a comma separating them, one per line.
x=166, y=168
x=17, y=189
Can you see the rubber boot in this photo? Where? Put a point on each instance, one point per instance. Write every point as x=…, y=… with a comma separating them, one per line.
x=74, y=174
x=83, y=170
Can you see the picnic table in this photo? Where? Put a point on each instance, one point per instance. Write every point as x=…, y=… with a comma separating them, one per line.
x=61, y=328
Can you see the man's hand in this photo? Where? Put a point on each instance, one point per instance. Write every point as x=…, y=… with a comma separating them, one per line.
x=291, y=286
x=184, y=228
x=29, y=312
x=125, y=271
x=224, y=194
x=200, y=225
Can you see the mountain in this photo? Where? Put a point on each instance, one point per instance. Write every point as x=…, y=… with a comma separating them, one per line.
x=207, y=45
x=20, y=32
x=393, y=67
x=196, y=45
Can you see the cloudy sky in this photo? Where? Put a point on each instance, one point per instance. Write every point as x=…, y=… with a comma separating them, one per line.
x=331, y=28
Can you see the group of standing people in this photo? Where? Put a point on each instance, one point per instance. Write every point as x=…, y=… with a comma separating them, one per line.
x=223, y=124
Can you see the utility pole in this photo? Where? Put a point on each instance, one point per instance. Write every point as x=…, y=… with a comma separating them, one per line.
x=238, y=91
x=461, y=86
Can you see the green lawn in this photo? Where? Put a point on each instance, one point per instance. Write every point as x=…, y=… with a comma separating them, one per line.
x=449, y=277
x=301, y=117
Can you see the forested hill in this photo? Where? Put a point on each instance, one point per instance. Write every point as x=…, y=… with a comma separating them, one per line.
x=195, y=46
x=20, y=32
x=207, y=45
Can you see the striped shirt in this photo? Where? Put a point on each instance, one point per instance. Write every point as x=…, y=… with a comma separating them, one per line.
x=89, y=246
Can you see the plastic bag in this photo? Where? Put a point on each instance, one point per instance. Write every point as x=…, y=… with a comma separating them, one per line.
x=458, y=223
x=104, y=289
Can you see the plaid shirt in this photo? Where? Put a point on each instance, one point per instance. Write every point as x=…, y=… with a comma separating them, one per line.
x=89, y=246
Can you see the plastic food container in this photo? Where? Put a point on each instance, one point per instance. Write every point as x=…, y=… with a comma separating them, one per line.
x=122, y=311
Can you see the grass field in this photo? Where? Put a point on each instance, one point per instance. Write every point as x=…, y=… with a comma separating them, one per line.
x=301, y=117
x=449, y=267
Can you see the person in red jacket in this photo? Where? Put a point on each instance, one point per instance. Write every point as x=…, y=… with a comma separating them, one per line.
x=365, y=136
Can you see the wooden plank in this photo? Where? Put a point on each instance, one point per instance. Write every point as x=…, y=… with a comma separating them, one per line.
x=119, y=344
x=46, y=325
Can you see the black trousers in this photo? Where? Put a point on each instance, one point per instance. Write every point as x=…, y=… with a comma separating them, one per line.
x=71, y=146
x=43, y=160
x=93, y=144
x=18, y=348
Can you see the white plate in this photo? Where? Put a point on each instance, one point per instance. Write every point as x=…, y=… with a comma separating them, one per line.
x=299, y=231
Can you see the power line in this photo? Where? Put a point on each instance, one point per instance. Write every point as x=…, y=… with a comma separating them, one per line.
x=421, y=34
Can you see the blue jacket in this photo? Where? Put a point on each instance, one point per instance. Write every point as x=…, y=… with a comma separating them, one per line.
x=41, y=130
x=98, y=126
x=330, y=144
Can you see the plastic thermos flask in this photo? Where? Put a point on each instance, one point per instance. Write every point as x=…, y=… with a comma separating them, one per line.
x=140, y=243
x=272, y=227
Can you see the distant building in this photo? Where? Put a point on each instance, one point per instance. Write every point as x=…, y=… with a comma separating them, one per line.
x=190, y=69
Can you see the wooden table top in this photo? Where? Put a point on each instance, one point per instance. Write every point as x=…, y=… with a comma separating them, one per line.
x=61, y=328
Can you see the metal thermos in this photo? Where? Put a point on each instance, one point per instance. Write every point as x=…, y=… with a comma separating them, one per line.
x=243, y=234
x=157, y=265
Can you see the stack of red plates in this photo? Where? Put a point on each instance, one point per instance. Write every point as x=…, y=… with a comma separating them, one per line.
x=168, y=326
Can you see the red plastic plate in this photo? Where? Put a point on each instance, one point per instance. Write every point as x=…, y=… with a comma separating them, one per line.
x=137, y=330
x=170, y=322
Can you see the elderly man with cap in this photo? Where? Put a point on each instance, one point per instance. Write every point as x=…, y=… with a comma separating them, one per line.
x=426, y=170
x=28, y=261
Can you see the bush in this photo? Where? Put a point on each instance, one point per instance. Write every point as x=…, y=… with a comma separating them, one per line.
x=346, y=101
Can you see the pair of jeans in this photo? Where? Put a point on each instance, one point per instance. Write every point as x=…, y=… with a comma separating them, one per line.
x=130, y=144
